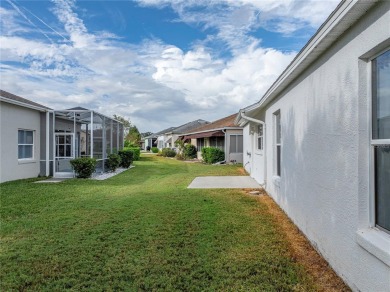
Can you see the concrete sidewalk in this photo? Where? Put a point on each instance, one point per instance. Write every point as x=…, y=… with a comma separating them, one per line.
x=51, y=180
x=224, y=182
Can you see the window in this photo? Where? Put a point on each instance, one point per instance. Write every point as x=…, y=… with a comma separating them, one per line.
x=199, y=144
x=218, y=142
x=260, y=137
x=278, y=144
x=25, y=144
x=236, y=144
x=380, y=142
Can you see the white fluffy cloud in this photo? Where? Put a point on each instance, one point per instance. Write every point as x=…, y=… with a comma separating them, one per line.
x=209, y=83
x=156, y=85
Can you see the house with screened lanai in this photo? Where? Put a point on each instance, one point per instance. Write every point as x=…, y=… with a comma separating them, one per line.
x=38, y=141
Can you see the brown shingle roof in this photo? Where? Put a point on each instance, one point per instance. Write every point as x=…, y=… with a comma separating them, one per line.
x=17, y=98
x=218, y=124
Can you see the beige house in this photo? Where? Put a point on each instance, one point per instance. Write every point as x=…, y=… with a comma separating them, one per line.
x=223, y=134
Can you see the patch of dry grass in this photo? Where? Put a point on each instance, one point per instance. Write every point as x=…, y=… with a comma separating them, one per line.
x=302, y=251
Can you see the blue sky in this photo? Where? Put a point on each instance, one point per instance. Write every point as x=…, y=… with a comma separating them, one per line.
x=160, y=63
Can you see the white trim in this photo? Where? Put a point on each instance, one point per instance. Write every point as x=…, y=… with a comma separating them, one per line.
x=211, y=130
x=376, y=55
x=376, y=242
x=251, y=119
x=54, y=143
x=72, y=144
x=371, y=179
x=28, y=159
x=19, y=103
x=91, y=143
x=368, y=236
x=58, y=173
x=257, y=136
x=85, y=111
x=74, y=136
x=373, y=144
x=277, y=114
x=378, y=142
x=47, y=154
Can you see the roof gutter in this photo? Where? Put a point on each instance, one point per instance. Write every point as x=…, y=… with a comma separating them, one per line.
x=245, y=117
x=41, y=109
x=212, y=130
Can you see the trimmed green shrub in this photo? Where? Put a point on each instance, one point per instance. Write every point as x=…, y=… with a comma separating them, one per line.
x=83, y=166
x=113, y=161
x=168, y=152
x=212, y=155
x=189, y=151
x=154, y=149
x=126, y=158
x=136, y=152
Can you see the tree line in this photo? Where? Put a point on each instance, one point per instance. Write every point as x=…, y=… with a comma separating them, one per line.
x=131, y=133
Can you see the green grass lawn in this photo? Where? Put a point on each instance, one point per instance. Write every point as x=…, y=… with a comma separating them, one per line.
x=142, y=230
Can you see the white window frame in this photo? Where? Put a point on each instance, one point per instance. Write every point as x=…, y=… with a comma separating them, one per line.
x=277, y=127
x=260, y=138
x=373, y=239
x=33, y=146
x=373, y=144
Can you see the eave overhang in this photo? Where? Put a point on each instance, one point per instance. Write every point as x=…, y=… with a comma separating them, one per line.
x=15, y=102
x=341, y=19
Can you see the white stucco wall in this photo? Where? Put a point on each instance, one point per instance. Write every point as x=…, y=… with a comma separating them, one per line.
x=324, y=183
x=13, y=118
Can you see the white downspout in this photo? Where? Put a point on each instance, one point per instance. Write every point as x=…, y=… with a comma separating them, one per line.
x=48, y=144
x=264, y=144
x=54, y=143
x=227, y=156
x=91, y=144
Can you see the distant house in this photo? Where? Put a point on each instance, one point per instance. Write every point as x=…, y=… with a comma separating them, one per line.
x=37, y=140
x=149, y=141
x=157, y=139
x=223, y=134
x=319, y=142
x=168, y=137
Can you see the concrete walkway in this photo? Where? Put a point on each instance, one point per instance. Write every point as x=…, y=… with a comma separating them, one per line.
x=51, y=180
x=224, y=182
